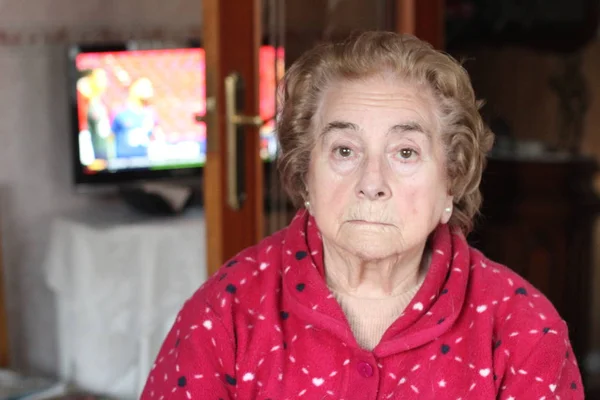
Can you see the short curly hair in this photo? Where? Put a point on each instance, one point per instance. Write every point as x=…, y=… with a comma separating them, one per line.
x=466, y=137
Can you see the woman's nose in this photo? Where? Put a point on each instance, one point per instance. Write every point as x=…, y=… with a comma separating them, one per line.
x=373, y=183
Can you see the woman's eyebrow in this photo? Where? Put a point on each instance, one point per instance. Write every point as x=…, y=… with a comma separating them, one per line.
x=409, y=126
x=338, y=125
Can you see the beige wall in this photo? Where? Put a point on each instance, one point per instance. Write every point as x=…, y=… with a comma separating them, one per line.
x=34, y=135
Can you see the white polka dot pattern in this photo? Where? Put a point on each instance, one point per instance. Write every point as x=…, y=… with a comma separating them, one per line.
x=267, y=327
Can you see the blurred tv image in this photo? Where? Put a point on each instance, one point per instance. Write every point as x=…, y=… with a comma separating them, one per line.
x=271, y=70
x=136, y=109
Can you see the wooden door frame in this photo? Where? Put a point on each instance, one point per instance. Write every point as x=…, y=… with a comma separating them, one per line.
x=422, y=18
x=231, y=40
x=4, y=340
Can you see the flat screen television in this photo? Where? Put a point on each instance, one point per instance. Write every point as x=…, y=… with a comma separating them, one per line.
x=134, y=108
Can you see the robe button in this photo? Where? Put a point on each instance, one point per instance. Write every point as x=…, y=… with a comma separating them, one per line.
x=365, y=369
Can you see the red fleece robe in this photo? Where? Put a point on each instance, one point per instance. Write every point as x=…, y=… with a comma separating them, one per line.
x=266, y=326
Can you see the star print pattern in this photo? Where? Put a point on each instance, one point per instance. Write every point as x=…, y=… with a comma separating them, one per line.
x=267, y=327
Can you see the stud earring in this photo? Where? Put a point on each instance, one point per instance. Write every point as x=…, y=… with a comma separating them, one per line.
x=448, y=209
x=307, y=204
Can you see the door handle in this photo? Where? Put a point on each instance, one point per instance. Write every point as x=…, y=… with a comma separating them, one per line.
x=234, y=129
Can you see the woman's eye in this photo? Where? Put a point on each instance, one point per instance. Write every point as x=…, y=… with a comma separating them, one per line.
x=343, y=152
x=406, y=153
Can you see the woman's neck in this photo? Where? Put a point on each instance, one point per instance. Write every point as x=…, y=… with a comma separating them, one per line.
x=380, y=278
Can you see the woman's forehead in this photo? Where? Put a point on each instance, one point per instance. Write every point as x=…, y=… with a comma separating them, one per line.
x=377, y=100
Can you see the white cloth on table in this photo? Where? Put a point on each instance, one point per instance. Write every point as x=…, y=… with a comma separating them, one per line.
x=119, y=281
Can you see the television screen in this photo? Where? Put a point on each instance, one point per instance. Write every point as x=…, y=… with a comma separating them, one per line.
x=136, y=110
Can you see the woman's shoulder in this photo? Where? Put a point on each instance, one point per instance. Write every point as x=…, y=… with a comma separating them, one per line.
x=522, y=317
x=253, y=270
x=530, y=340
x=508, y=294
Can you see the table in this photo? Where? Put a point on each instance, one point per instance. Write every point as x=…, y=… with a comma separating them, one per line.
x=119, y=280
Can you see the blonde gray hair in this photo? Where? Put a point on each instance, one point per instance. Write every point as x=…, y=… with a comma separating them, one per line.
x=466, y=138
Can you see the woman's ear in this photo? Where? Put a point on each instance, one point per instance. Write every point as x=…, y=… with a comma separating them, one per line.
x=448, y=209
x=307, y=206
x=307, y=202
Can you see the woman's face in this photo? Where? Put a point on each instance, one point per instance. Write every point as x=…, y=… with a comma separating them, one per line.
x=376, y=182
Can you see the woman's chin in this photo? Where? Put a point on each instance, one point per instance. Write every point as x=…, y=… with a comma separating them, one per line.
x=372, y=246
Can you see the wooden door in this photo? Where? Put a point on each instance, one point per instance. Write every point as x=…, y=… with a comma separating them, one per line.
x=234, y=215
x=234, y=190
x=422, y=18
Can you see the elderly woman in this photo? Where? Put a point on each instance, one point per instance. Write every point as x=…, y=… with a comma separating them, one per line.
x=372, y=291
